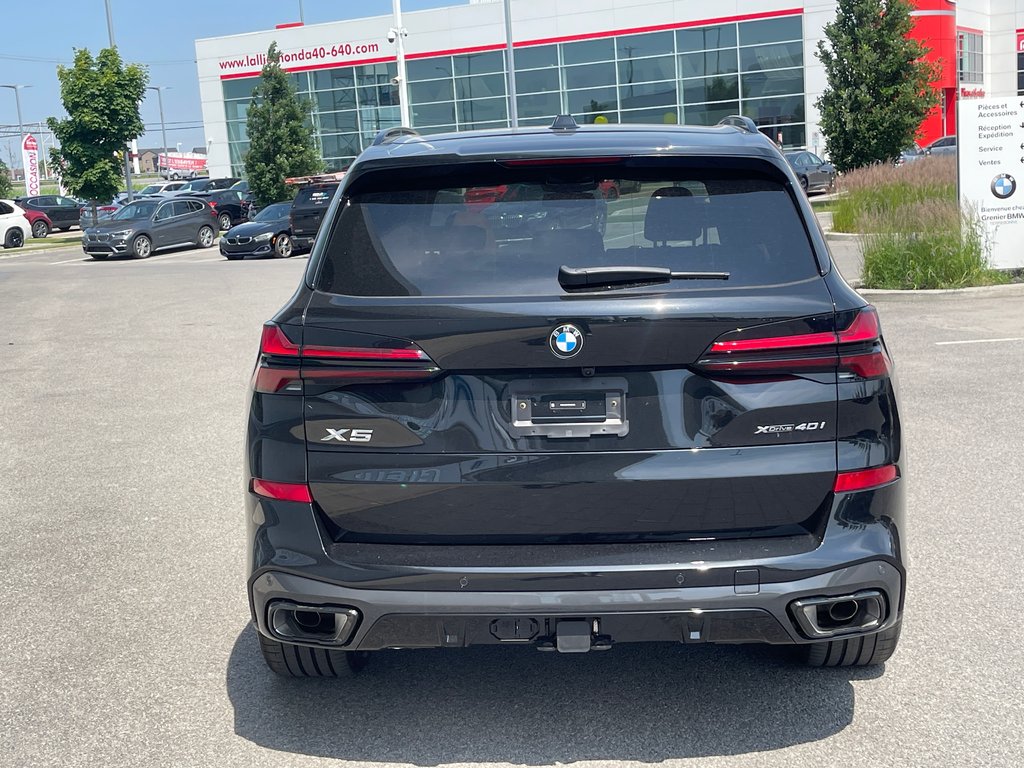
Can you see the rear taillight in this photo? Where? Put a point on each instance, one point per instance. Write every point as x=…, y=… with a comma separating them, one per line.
x=284, y=364
x=212, y=205
x=864, y=479
x=856, y=349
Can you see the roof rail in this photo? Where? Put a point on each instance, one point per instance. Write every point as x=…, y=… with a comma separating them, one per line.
x=741, y=122
x=390, y=134
x=564, y=123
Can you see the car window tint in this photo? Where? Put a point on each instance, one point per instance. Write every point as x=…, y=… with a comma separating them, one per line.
x=487, y=232
x=180, y=207
x=165, y=211
x=5, y=209
x=815, y=159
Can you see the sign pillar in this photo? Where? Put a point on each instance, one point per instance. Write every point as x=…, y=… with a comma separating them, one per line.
x=990, y=152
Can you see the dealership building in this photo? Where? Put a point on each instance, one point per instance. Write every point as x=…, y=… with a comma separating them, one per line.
x=602, y=61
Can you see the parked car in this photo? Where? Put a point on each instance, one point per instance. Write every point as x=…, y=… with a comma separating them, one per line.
x=683, y=430
x=160, y=189
x=227, y=204
x=309, y=206
x=249, y=207
x=145, y=226
x=269, y=234
x=205, y=185
x=241, y=186
x=39, y=223
x=813, y=173
x=944, y=146
x=179, y=173
x=61, y=211
x=102, y=212
x=14, y=227
x=910, y=154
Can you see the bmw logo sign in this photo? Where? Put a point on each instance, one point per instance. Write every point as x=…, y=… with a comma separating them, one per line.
x=566, y=341
x=1003, y=186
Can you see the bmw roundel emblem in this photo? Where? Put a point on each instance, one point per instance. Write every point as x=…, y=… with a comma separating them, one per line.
x=1003, y=186
x=566, y=341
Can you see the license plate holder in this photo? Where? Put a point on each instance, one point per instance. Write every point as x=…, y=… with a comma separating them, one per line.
x=569, y=408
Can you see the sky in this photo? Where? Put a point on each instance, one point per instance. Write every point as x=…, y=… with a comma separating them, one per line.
x=160, y=35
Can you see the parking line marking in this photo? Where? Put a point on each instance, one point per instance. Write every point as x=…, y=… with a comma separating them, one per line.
x=978, y=341
x=68, y=261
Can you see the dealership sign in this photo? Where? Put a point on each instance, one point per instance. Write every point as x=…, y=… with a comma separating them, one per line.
x=182, y=161
x=30, y=162
x=991, y=155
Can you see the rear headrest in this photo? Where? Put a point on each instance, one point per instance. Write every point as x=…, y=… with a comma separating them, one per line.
x=673, y=213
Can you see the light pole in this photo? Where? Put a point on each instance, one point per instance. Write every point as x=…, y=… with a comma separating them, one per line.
x=397, y=36
x=21, y=127
x=302, y=16
x=127, y=152
x=163, y=129
x=513, y=107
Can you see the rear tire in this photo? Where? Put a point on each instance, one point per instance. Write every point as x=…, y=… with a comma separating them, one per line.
x=224, y=220
x=803, y=183
x=301, y=661
x=855, y=651
x=40, y=229
x=14, y=238
x=206, y=236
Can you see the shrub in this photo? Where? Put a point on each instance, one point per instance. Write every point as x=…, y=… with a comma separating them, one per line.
x=938, y=248
x=874, y=198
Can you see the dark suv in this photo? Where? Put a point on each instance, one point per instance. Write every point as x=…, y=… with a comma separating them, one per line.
x=664, y=417
x=308, y=209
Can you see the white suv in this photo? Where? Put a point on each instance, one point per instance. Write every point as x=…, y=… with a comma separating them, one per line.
x=14, y=227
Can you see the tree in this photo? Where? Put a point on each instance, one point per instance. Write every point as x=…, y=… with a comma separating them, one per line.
x=878, y=89
x=6, y=188
x=280, y=138
x=101, y=96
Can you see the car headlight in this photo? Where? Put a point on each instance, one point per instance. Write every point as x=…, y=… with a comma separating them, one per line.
x=121, y=233
x=264, y=237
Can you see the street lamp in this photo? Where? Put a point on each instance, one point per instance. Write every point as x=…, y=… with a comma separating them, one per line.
x=397, y=35
x=21, y=127
x=163, y=129
x=127, y=151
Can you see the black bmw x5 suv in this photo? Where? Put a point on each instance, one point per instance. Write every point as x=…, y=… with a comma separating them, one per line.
x=506, y=407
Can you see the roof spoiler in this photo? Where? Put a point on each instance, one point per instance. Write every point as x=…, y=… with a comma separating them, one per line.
x=388, y=135
x=741, y=122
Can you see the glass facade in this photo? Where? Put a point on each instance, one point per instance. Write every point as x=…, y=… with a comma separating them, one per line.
x=695, y=76
x=971, y=54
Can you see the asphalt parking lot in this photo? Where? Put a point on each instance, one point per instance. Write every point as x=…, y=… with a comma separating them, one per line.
x=127, y=640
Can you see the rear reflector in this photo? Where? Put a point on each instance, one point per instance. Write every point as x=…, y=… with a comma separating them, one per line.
x=281, y=491
x=863, y=479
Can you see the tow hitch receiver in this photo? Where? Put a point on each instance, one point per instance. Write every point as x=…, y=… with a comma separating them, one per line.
x=574, y=636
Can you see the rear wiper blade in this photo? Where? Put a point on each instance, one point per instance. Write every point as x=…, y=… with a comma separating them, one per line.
x=590, y=278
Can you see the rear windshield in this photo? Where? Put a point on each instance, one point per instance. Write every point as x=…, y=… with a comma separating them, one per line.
x=504, y=231
x=314, y=197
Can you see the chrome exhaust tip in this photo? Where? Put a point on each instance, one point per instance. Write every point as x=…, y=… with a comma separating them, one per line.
x=313, y=624
x=822, y=617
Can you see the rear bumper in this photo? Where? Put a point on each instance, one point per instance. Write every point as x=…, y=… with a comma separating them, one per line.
x=727, y=591
x=736, y=614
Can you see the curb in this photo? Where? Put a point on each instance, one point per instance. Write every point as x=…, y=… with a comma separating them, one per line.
x=830, y=235
x=981, y=291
